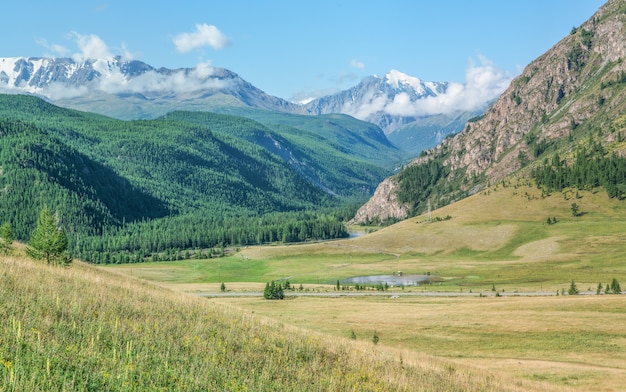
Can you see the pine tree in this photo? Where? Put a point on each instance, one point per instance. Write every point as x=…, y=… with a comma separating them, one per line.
x=48, y=241
x=615, y=287
x=273, y=291
x=573, y=290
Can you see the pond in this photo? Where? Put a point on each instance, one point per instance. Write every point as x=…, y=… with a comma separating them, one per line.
x=391, y=280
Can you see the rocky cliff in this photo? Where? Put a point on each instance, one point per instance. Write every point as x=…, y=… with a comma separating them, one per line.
x=383, y=205
x=576, y=85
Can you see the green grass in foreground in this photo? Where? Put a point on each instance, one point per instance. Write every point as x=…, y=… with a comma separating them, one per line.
x=81, y=328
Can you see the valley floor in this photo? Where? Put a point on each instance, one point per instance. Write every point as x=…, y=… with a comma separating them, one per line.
x=481, y=308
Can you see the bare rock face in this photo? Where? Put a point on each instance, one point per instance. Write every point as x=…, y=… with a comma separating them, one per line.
x=383, y=205
x=561, y=89
x=553, y=94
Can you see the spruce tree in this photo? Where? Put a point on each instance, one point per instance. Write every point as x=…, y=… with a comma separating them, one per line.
x=573, y=290
x=48, y=241
x=615, y=287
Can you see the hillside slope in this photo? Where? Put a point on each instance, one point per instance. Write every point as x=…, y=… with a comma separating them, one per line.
x=187, y=181
x=574, y=93
x=80, y=328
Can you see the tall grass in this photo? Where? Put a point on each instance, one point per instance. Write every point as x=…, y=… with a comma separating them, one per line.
x=80, y=328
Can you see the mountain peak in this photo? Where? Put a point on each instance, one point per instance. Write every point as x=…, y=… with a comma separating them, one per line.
x=398, y=79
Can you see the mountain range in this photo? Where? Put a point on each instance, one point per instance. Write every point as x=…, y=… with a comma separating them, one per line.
x=130, y=89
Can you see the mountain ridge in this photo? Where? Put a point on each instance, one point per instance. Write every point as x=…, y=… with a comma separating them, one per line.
x=131, y=89
x=575, y=92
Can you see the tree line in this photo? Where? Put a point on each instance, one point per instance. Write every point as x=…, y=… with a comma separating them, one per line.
x=590, y=168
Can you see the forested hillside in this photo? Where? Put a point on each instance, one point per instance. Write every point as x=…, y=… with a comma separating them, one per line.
x=342, y=155
x=128, y=190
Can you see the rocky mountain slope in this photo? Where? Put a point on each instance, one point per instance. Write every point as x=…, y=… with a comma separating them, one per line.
x=572, y=94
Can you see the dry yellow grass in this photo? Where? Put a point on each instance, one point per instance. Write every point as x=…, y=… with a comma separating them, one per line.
x=499, y=237
x=569, y=342
x=81, y=328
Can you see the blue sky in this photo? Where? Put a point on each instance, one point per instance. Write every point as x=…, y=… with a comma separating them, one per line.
x=295, y=49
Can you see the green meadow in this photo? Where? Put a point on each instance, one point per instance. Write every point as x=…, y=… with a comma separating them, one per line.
x=498, y=239
x=82, y=328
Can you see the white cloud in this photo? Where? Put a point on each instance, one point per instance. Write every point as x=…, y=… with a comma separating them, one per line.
x=56, y=50
x=62, y=91
x=127, y=55
x=357, y=64
x=181, y=81
x=205, y=35
x=306, y=96
x=483, y=83
x=203, y=70
x=371, y=104
x=91, y=47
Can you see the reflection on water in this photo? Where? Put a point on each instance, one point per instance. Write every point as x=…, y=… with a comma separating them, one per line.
x=391, y=280
x=356, y=234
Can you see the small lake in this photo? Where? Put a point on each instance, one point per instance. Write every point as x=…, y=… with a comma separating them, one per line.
x=391, y=280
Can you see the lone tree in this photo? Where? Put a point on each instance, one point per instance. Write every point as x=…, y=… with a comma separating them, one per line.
x=6, y=238
x=48, y=241
x=573, y=290
x=615, y=287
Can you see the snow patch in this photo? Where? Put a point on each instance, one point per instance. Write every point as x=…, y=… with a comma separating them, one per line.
x=398, y=80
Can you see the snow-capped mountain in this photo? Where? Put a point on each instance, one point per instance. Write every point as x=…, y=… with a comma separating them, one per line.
x=419, y=112
x=390, y=101
x=132, y=89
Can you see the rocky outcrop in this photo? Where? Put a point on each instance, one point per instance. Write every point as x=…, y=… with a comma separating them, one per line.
x=553, y=93
x=383, y=205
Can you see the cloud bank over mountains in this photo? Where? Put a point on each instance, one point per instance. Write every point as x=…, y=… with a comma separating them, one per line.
x=483, y=81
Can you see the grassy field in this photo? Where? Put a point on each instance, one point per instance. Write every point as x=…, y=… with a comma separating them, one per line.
x=499, y=238
x=576, y=342
x=82, y=328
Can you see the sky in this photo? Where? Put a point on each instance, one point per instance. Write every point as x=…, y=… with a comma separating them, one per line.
x=301, y=49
